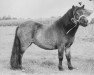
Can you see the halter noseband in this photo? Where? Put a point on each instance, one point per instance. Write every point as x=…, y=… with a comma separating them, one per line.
x=75, y=21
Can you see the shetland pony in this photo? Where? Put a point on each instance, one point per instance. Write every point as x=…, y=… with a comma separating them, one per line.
x=60, y=35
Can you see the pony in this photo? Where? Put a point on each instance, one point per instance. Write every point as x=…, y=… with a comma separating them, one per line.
x=59, y=35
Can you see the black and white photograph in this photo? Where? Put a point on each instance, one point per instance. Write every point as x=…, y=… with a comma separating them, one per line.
x=46, y=37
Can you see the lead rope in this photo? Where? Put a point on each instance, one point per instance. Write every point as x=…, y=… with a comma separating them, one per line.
x=70, y=29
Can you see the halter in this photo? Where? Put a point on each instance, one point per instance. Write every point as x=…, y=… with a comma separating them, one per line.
x=75, y=22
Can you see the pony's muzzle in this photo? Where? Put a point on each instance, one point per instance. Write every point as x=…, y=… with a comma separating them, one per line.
x=83, y=21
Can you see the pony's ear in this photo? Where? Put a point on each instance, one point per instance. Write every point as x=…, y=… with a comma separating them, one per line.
x=83, y=6
x=73, y=7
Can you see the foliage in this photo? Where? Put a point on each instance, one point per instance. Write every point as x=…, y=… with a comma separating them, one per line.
x=8, y=18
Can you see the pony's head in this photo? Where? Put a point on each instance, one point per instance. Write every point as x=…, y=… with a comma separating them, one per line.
x=79, y=16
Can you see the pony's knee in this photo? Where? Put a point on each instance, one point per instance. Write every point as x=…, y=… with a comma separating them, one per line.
x=68, y=55
x=67, y=52
x=60, y=56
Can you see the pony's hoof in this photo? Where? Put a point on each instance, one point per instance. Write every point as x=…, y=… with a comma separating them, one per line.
x=23, y=69
x=17, y=68
x=71, y=68
x=60, y=68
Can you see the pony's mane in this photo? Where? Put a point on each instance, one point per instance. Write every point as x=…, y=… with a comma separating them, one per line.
x=65, y=20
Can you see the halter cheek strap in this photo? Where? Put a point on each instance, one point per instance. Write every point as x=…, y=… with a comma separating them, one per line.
x=74, y=20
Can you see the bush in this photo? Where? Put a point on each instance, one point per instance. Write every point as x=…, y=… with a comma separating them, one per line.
x=8, y=18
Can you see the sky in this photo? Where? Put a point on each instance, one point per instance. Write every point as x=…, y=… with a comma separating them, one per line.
x=38, y=8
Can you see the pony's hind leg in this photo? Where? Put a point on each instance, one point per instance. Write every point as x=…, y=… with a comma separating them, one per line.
x=16, y=55
x=19, y=47
x=68, y=57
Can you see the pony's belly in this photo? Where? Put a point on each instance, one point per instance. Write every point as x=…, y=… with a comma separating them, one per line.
x=45, y=41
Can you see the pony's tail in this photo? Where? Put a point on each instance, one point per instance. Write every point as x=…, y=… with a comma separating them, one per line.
x=15, y=60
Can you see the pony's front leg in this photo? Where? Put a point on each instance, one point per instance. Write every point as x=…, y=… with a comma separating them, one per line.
x=68, y=57
x=60, y=57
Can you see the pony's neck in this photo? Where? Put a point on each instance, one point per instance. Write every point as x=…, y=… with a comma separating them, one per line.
x=65, y=23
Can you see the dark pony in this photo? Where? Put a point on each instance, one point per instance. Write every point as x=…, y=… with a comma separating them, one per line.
x=60, y=35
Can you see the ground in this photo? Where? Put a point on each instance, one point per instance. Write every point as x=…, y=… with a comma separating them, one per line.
x=44, y=62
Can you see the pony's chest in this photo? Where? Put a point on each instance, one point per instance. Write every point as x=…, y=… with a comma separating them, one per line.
x=69, y=42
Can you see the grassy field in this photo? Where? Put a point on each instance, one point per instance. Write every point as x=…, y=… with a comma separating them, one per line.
x=42, y=62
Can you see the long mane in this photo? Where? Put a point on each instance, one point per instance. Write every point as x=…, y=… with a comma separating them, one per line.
x=65, y=20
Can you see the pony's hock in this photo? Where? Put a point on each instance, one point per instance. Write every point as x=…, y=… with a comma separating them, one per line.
x=60, y=35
